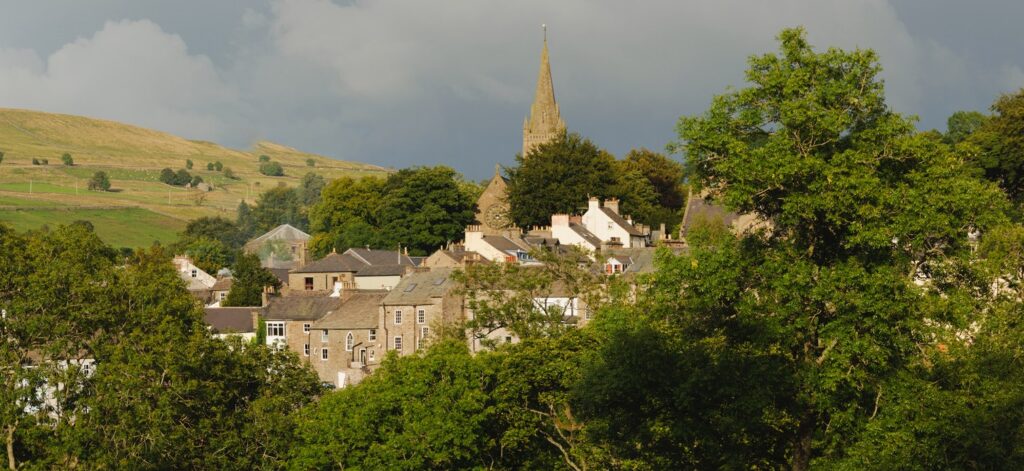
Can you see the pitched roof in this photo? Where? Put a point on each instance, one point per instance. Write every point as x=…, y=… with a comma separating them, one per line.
x=361, y=311
x=381, y=257
x=332, y=263
x=226, y=320
x=222, y=284
x=300, y=307
x=420, y=287
x=622, y=222
x=281, y=274
x=700, y=209
x=502, y=243
x=588, y=236
x=382, y=270
x=283, y=232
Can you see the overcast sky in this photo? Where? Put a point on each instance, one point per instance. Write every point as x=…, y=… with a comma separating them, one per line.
x=415, y=82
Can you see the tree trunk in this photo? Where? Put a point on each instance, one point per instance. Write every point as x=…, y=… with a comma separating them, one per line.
x=11, y=464
x=804, y=442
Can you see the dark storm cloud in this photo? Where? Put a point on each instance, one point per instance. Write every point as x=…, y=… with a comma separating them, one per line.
x=449, y=81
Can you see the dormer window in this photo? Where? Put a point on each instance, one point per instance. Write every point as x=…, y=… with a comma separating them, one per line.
x=195, y=273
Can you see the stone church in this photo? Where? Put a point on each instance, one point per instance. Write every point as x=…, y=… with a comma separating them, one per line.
x=543, y=125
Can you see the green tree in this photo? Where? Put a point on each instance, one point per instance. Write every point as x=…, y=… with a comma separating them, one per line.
x=35, y=161
x=196, y=180
x=962, y=124
x=277, y=206
x=99, y=181
x=310, y=188
x=858, y=206
x=210, y=166
x=425, y=208
x=230, y=174
x=249, y=281
x=264, y=158
x=558, y=177
x=218, y=166
x=996, y=149
x=1, y=156
x=67, y=160
x=310, y=163
x=272, y=169
x=210, y=255
x=665, y=174
x=244, y=221
x=188, y=164
x=639, y=199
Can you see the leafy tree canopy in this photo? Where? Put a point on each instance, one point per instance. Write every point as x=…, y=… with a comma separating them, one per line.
x=249, y=281
x=99, y=181
x=996, y=148
x=280, y=205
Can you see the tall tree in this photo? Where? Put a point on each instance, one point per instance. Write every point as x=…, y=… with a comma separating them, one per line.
x=425, y=208
x=558, y=177
x=249, y=279
x=858, y=206
x=310, y=188
x=665, y=175
x=276, y=206
x=997, y=147
x=960, y=125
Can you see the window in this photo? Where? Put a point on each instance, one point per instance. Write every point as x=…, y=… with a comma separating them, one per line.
x=423, y=336
x=305, y=328
x=323, y=353
x=309, y=283
x=609, y=225
x=373, y=334
x=362, y=356
x=194, y=273
x=421, y=316
x=508, y=339
x=275, y=329
x=323, y=335
x=371, y=355
x=305, y=349
x=350, y=342
x=223, y=295
x=398, y=343
x=398, y=316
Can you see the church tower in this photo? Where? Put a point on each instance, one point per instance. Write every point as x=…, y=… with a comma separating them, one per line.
x=545, y=123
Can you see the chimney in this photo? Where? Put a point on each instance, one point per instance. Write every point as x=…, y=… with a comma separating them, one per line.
x=612, y=204
x=593, y=204
x=255, y=320
x=559, y=220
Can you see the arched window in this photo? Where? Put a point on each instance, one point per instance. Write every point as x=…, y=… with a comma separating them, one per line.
x=349, y=342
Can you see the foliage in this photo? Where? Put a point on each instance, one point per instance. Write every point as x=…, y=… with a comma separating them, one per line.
x=961, y=125
x=421, y=208
x=272, y=169
x=664, y=174
x=67, y=160
x=264, y=158
x=210, y=255
x=189, y=164
x=249, y=281
x=99, y=181
x=215, y=228
x=230, y=174
x=209, y=166
x=244, y=221
x=310, y=163
x=558, y=177
x=310, y=188
x=858, y=205
x=996, y=148
x=1, y=156
x=179, y=178
x=280, y=205
x=218, y=166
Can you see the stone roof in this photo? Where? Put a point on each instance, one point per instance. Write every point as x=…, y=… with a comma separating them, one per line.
x=225, y=320
x=360, y=311
x=420, y=287
x=285, y=232
x=381, y=257
x=622, y=222
x=281, y=274
x=382, y=270
x=222, y=284
x=300, y=307
x=332, y=263
x=503, y=243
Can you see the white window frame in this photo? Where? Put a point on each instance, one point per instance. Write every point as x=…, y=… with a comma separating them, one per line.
x=398, y=317
x=372, y=335
x=397, y=343
x=369, y=355
x=325, y=335
x=421, y=316
x=305, y=328
x=324, y=355
x=195, y=273
x=273, y=327
x=305, y=350
x=350, y=342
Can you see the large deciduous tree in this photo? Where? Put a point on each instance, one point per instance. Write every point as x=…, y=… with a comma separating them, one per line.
x=997, y=146
x=249, y=279
x=276, y=206
x=858, y=206
x=558, y=177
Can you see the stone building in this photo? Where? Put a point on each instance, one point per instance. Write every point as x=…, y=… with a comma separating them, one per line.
x=282, y=247
x=353, y=269
x=545, y=122
x=422, y=302
x=352, y=349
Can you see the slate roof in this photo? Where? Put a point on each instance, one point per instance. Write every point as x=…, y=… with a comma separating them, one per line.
x=380, y=257
x=622, y=222
x=374, y=262
x=420, y=287
x=300, y=307
x=588, y=236
x=382, y=270
x=361, y=311
x=700, y=209
x=283, y=232
x=281, y=274
x=502, y=243
x=224, y=320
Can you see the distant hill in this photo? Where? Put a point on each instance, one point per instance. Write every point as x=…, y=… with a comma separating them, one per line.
x=133, y=157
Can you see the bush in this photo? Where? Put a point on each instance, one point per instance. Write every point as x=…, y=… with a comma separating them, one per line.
x=188, y=164
x=67, y=160
x=272, y=169
x=35, y=161
x=228, y=173
x=44, y=161
x=99, y=181
x=196, y=180
x=179, y=178
x=310, y=163
x=209, y=166
x=264, y=158
x=1, y=157
x=218, y=166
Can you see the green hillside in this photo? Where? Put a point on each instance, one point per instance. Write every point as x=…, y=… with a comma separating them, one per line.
x=139, y=209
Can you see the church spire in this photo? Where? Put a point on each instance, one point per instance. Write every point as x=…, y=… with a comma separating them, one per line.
x=545, y=121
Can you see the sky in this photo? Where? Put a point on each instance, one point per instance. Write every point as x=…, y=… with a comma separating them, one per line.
x=411, y=82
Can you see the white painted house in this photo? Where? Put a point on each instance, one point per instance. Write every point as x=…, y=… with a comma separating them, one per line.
x=605, y=222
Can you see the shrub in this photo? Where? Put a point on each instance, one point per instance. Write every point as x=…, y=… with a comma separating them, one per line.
x=272, y=169
x=264, y=158
x=209, y=166
x=1, y=157
x=188, y=164
x=196, y=179
x=35, y=161
x=218, y=166
x=99, y=181
x=67, y=160
x=310, y=163
x=179, y=178
x=228, y=173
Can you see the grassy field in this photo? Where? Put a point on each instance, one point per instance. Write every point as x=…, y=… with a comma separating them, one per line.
x=120, y=227
x=132, y=157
